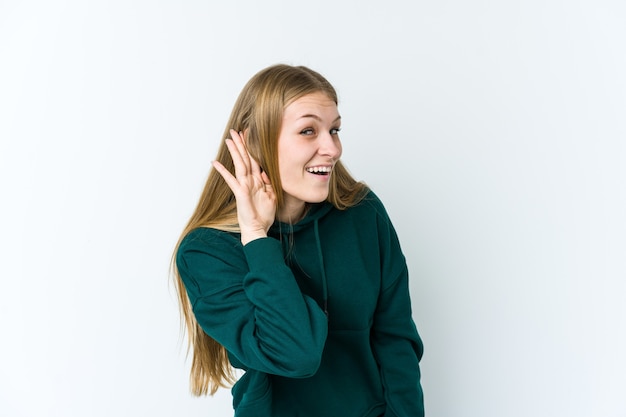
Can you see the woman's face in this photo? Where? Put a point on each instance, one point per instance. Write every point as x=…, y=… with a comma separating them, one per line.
x=308, y=147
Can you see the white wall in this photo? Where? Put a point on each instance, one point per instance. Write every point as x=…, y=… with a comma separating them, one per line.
x=494, y=131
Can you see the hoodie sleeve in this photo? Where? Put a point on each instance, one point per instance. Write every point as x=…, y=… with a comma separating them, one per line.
x=247, y=299
x=395, y=340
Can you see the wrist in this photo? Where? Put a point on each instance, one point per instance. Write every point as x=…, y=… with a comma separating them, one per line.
x=247, y=237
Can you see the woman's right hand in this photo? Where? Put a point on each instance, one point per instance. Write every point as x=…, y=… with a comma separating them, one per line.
x=255, y=196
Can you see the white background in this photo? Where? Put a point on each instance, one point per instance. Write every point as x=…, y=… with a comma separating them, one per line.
x=494, y=131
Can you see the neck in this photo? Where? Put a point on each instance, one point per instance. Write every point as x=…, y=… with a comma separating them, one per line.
x=291, y=214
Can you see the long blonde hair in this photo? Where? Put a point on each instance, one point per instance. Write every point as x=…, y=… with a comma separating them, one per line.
x=258, y=111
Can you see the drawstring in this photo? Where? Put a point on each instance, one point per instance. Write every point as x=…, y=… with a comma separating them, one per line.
x=321, y=258
x=286, y=239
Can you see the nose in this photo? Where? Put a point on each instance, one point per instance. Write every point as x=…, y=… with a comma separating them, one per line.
x=330, y=146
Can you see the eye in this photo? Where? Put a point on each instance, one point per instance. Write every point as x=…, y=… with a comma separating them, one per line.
x=335, y=130
x=307, y=132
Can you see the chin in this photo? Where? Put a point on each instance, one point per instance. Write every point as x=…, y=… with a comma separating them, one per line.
x=319, y=199
x=316, y=198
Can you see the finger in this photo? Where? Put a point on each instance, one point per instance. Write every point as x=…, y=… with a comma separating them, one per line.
x=241, y=146
x=231, y=181
x=254, y=165
x=241, y=169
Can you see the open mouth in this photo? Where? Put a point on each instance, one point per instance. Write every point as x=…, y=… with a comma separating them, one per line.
x=322, y=170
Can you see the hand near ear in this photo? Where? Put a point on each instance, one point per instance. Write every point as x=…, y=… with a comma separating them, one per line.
x=255, y=196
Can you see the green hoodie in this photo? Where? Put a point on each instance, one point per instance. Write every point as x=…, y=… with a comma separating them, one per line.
x=317, y=314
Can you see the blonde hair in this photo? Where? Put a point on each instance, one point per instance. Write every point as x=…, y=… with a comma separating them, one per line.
x=258, y=111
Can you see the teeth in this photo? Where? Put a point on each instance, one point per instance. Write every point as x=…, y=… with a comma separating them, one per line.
x=318, y=169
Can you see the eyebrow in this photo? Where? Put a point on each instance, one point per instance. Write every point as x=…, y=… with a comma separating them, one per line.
x=316, y=117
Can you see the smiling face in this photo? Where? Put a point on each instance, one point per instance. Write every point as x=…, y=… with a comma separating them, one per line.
x=308, y=147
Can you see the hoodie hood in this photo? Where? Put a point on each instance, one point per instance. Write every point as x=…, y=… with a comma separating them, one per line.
x=285, y=233
x=315, y=212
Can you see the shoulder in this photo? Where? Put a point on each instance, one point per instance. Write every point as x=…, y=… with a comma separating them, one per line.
x=370, y=205
x=209, y=241
x=203, y=251
x=367, y=217
x=207, y=236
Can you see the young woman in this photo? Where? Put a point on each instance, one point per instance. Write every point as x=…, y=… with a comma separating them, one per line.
x=291, y=270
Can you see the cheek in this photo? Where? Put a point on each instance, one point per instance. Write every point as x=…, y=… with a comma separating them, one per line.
x=288, y=170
